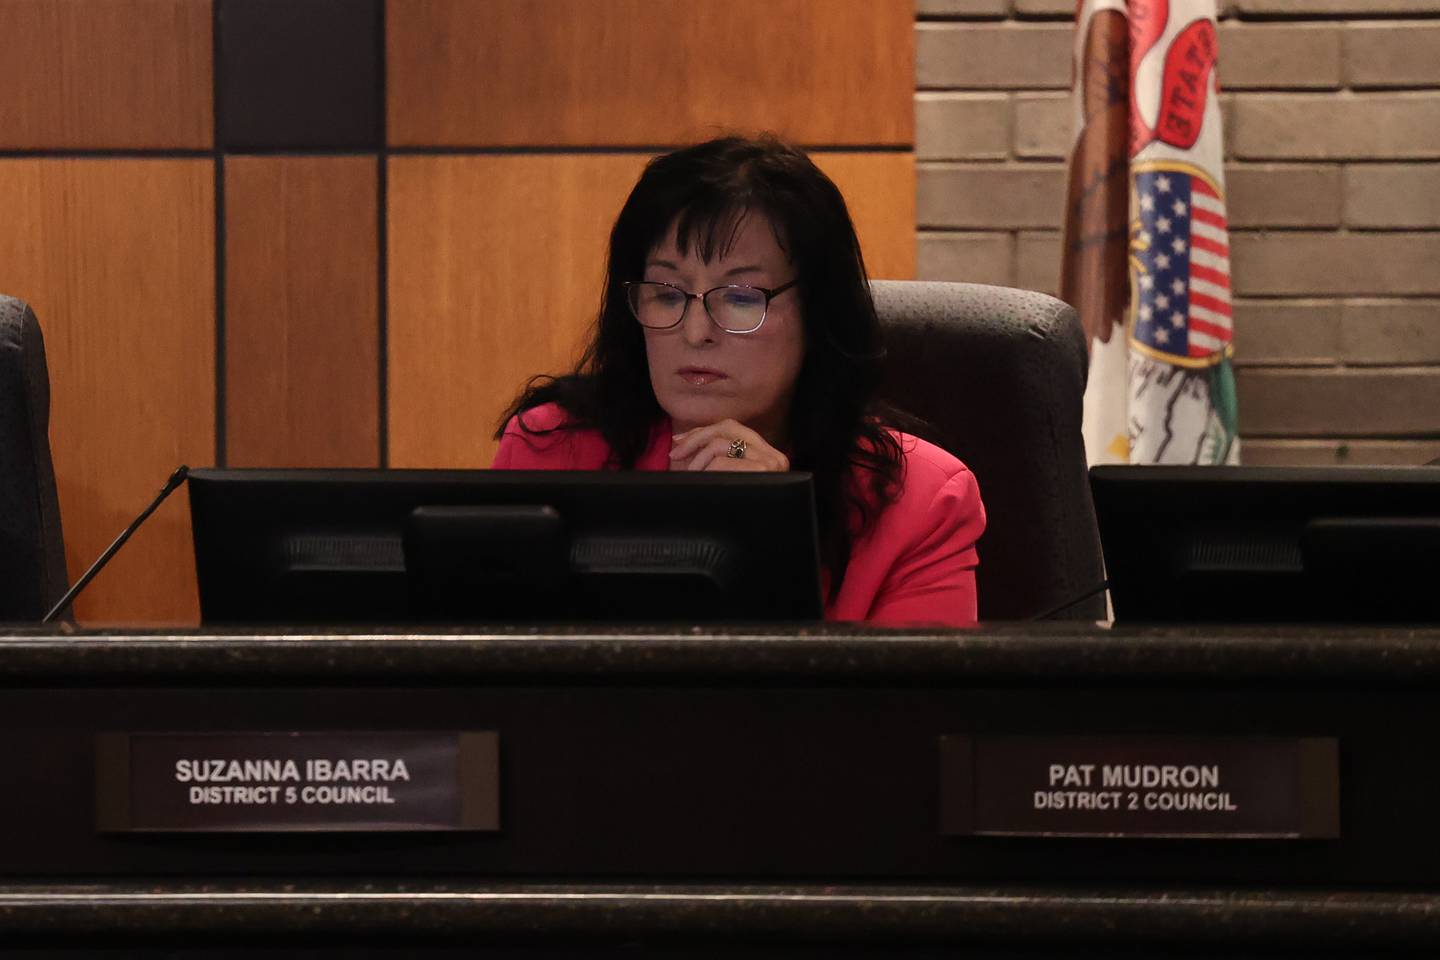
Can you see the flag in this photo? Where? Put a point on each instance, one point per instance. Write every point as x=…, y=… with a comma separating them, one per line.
x=1146, y=245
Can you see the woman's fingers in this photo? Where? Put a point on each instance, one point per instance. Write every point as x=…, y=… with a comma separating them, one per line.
x=687, y=444
x=709, y=448
x=715, y=455
x=716, y=448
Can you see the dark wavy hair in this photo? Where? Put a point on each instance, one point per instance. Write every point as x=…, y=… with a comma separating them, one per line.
x=836, y=428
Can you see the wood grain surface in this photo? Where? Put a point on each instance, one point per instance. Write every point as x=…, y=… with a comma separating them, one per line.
x=648, y=72
x=106, y=74
x=879, y=189
x=495, y=269
x=117, y=258
x=301, y=312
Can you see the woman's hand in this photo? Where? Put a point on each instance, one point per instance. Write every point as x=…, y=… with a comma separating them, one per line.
x=708, y=448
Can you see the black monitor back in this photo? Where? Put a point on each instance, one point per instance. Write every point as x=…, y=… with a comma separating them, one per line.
x=1271, y=544
x=411, y=546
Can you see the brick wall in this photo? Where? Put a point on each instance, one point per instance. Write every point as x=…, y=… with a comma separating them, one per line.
x=1332, y=111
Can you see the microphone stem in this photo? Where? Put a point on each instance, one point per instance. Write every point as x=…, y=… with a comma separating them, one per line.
x=176, y=478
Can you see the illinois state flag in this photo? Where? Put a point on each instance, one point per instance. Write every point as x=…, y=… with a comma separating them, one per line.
x=1146, y=247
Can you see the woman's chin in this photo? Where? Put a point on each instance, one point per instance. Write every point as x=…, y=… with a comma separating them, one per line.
x=700, y=411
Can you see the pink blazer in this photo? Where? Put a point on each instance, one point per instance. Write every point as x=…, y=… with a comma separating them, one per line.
x=916, y=563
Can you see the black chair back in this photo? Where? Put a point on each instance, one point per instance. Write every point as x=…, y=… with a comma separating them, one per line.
x=32, y=548
x=1000, y=376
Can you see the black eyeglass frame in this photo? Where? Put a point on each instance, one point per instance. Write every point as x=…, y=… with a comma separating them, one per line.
x=770, y=294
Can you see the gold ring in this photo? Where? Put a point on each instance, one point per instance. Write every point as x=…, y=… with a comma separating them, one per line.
x=737, y=450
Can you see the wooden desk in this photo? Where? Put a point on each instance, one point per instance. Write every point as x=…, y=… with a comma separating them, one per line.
x=756, y=786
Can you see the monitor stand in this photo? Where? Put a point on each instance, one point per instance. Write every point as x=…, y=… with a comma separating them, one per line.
x=490, y=563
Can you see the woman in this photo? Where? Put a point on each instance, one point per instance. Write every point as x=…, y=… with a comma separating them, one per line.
x=737, y=332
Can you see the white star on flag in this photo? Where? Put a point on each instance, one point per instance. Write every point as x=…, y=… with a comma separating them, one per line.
x=1162, y=301
x=1179, y=208
x=1147, y=202
x=1162, y=261
x=1178, y=287
x=1178, y=246
x=1177, y=319
x=1162, y=224
x=1162, y=184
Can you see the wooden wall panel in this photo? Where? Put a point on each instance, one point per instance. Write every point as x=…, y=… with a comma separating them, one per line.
x=879, y=189
x=301, y=312
x=117, y=257
x=648, y=72
x=495, y=269
x=88, y=74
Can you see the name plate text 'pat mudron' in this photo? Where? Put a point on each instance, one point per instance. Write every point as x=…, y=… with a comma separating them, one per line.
x=1125, y=786
x=271, y=781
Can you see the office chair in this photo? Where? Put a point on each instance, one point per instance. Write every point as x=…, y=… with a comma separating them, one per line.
x=999, y=375
x=32, y=549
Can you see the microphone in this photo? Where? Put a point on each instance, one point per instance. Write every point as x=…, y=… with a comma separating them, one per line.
x=176, y=478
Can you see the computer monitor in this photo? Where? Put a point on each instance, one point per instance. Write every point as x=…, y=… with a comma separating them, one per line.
x=480, y=546
x=1271, y=544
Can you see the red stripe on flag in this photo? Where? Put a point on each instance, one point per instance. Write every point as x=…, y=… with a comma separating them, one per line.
x=1210, y=329
x=1209, y=246
x=1210, y=303
x=1200, y=186
x=1210, y=276
x=1207, y=216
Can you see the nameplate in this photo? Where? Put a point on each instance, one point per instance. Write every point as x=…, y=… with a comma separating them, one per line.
x=1098, y=786
x=273, y=781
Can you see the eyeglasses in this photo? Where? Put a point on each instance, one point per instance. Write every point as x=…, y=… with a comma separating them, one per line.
x=734, y=308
